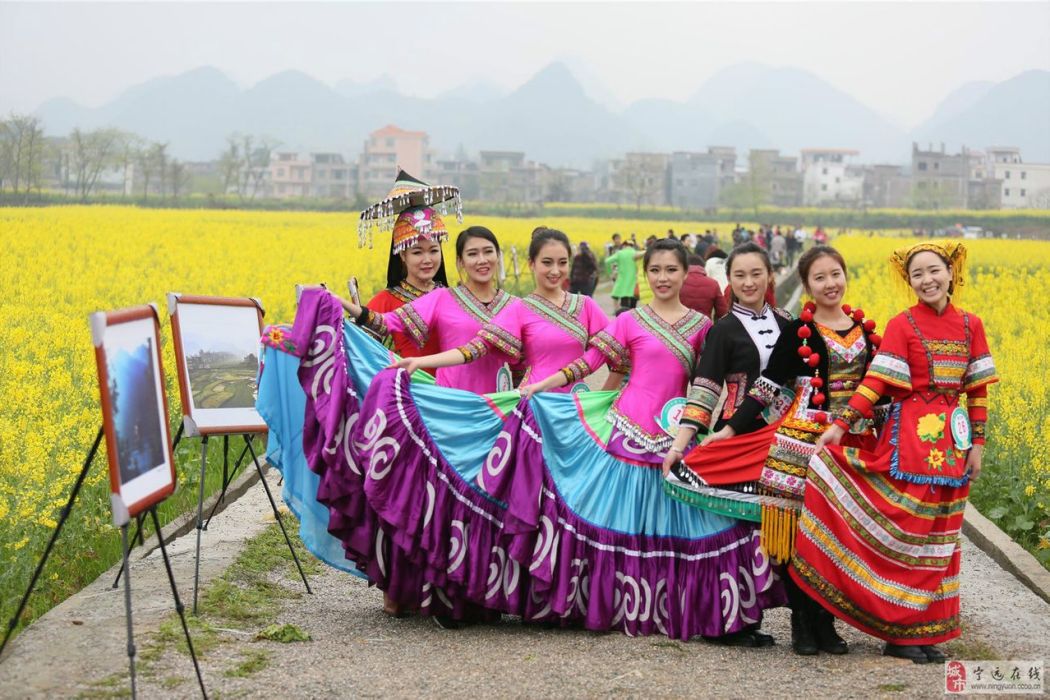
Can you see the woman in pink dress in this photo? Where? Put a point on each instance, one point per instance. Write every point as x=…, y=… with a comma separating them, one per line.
x=454, y=315
x=544, y=331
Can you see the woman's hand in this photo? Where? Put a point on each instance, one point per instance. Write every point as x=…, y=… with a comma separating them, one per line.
x=409, y=364
x=527, y=390
x=832, y=436
x=723, y=434
x=674, y=455
x=973, y=461
x=349, y=306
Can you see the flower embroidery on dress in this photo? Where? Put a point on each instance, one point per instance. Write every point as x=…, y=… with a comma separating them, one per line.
x=276, y=337
x=930, y=427
x=935, y=459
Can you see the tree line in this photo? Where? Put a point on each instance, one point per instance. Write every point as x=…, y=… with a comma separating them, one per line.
x=78, y=164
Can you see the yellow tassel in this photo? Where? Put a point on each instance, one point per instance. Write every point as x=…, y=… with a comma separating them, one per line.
x=778, y=532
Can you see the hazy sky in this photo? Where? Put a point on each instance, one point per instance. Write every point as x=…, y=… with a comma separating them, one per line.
x=899, y=58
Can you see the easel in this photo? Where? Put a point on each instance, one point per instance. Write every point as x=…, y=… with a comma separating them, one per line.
x=192, y=431
x=63, y=516
x=199, y=427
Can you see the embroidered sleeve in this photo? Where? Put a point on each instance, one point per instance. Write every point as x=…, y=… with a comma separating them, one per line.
x=372, y=321
x=700, y=403
x=576, y=371
x=706, y=387
x=411, y=323
x=977, y=408
x=848, y=417
x=980, y=371
x=501, y=339
x=615, y=352
x=473, y=350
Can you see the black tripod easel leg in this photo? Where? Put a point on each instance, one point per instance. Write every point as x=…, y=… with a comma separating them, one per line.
x=51, y=543
x=276, y=513
x=127, y=604
x=139, y=534
x=178, y=603
x=225, y=475
x=200, y=521
x=140, y=538
x=227, y=479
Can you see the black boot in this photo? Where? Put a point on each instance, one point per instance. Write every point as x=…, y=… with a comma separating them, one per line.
x=912, y=653
x=828, y=640
x=934, y=654
x=803, y=641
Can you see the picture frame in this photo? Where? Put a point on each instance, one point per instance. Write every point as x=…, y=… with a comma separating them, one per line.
x=217, y=349
x=134, y=405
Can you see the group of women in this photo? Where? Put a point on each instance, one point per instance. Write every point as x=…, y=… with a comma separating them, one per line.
x=830, y=474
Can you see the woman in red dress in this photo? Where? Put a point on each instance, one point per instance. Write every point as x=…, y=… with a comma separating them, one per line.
x=878, y=536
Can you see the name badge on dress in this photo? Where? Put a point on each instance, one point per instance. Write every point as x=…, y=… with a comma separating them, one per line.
x=960, y=426
x=580, y=388
x=671, y=415
x=504, y=382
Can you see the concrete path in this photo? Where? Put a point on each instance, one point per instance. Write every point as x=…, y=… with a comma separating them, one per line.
x=78, y=648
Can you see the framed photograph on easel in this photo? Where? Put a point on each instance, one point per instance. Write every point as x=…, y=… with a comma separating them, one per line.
x=134, y=409
x=217, y=357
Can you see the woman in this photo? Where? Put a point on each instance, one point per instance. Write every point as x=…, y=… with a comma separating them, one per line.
x=602, y=486
x=893, y=573
x=544, y=331
x=735, y=354
x=812, y=371
x=453, y=316
x=416, y=267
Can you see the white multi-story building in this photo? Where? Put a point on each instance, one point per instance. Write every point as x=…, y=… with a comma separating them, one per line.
x=829, y=178
x=1020, y=185
x=1024, y=185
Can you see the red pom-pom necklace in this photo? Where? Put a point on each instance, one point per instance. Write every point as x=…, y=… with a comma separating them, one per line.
x=805, y=332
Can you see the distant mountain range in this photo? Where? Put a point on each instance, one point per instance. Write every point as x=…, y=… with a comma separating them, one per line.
x=555, y=119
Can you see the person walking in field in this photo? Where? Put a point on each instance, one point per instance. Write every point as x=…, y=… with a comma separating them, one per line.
x=624, y=291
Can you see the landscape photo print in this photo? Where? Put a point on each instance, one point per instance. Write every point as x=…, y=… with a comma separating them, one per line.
x=217, y=353
x=134, y=408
